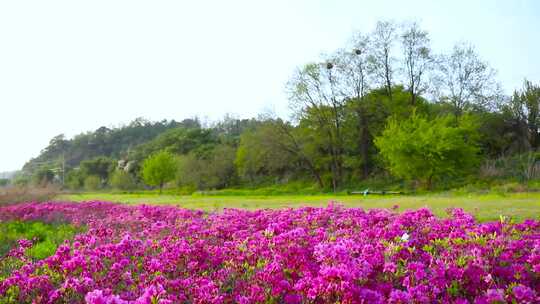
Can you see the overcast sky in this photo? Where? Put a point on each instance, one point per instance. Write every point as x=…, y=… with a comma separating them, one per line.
x=73, y=66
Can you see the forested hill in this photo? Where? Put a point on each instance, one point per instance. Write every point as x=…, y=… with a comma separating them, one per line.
x=109, y=142
x=104, y=151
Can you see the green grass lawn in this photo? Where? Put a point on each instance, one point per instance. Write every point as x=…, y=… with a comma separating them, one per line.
x=485, y=207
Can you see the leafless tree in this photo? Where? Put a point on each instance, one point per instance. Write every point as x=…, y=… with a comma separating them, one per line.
x=417, y=59
x=466, y=81
x=352, y=68
x=381, y=59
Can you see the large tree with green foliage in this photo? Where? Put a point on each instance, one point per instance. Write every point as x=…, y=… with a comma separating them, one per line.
x=213, y=169
x=316, y=98
x=428, y=150
x=100, y=166
x=159, y=169
x=276, y=149
x=4, y=182
x=43, y=177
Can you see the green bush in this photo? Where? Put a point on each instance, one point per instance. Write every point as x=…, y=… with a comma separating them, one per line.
x=74, y=179
x=92, y=183
x=122, y=180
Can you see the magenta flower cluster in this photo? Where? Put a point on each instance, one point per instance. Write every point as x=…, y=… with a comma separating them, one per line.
x=164, y=254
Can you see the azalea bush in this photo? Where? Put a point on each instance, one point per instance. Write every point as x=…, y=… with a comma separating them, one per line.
x=165, y=254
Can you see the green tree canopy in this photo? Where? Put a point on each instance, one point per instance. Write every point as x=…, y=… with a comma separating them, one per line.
x=159, y=169
x=100, y=166
x=4, y=182
x=43, y=177
x=212, y=170
x=428, y=150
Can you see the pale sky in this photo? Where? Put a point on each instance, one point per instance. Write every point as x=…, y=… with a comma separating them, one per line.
x=73, y=66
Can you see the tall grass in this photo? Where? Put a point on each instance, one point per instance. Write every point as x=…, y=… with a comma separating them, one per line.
x=17, y=194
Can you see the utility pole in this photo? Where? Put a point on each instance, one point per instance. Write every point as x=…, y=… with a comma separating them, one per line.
x=63, y=168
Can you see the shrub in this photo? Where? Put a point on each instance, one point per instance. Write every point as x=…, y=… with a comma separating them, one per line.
x=92, y=183
x=74, y=179
x=122, y=180
x=163, y=254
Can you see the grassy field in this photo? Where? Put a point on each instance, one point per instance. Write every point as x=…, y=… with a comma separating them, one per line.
x=485, y=207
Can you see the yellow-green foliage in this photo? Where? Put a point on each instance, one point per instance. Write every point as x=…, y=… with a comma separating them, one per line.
x=159, y=169
x=428, y=150
x=45, y=237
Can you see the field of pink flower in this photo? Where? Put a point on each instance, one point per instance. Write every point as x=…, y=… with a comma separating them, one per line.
x=159, y=254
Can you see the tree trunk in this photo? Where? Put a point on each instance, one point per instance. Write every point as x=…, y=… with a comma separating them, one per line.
x=334, y=179
x=336, y=168
x=388, y=87
x=319, y=179
x=365, y=151
x=429, y=184
x=413, y=95
x=315, y=173
x=160, y=188
x=363, y=143
x=387, y=74
x=317, y=176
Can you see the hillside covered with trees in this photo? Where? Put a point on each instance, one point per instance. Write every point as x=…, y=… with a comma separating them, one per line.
x=386, y=107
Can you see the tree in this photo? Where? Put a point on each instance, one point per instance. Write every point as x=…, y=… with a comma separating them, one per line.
x=417, y=58
x=122, y=180
x=159, y=169
x=221, y=166
x=353, y=69
x=524, y=108
x=179, y=140
x=4, y=182
x=112, y=143
x=57, y=145
x=465, y=81
x=428, y=150
x=381, y=59
x=266, y=151
x=213, y=169
x=75, y=179
x=314, y=96
x=229, y=129
x=99, y=166
x=92, y=183
x=189, y=172
x=43, y=177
